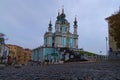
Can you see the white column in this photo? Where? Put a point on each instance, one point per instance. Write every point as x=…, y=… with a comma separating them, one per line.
x=65, y=42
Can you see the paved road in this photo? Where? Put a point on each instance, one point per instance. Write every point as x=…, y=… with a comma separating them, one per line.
x=69, y=71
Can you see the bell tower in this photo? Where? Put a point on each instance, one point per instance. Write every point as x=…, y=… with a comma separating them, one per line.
x=75, y=34
x=75, y=26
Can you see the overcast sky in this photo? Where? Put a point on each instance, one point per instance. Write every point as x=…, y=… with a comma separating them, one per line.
x=24, y=22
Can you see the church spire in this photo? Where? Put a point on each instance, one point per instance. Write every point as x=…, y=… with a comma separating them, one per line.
x=75, y=18
x=58, y=13
x=62, y=16
x=50, y=26
x=75, y=22
x=62, y=9
x=58, y=17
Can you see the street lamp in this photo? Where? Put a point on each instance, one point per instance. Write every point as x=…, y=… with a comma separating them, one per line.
x=106, y=46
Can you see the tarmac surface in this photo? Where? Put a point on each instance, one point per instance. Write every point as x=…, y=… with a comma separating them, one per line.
x=67, y=71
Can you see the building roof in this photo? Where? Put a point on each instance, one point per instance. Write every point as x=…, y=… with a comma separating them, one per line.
x=113, y=16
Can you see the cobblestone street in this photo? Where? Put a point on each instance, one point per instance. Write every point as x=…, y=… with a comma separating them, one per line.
x=68, y=71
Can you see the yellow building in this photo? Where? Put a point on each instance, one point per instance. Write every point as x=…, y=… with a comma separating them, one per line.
x=113, y=31
x=18, y=55
x=27, y=55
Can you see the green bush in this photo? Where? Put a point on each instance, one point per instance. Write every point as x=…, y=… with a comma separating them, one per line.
x=87, y=53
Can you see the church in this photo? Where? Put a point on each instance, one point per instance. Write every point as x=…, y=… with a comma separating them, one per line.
x=60, y=44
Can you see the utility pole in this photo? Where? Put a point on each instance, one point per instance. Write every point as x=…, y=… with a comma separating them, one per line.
x=106, y=46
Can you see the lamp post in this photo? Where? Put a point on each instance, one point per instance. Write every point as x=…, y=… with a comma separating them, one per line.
x=106, y=46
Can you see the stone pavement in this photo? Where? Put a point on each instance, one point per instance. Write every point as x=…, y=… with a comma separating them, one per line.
x=68, y=71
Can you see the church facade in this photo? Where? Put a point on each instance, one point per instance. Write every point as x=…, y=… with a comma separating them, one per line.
x=58, y=43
